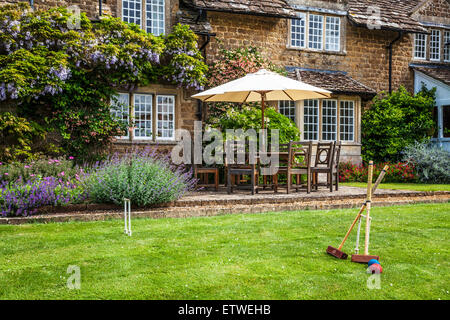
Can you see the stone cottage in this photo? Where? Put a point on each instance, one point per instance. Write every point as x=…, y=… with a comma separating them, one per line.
x=354, y=48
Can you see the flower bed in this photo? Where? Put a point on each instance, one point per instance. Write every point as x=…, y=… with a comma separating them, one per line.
x=398, y=172
x=146, y=178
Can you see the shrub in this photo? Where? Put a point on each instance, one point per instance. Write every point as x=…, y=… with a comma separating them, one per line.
x=24, y=198
x=17, y=136
x=145, y=178
x=432, y=162
x=394, y=122
x=60, y=168
x=398, y=172
x=250, y=118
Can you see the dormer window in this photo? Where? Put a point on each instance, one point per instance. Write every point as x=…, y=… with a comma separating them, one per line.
x=316, y=32
x=148, y=14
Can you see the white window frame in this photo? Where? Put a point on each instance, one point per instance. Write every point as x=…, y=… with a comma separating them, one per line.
x=318, y=38
x=435, y=40
x=422, y=44
x=310, y=105
x=446, y=48
x=137, y=114
x=298, y=25
x=157, y=17
x=328, y=115
x=127, y=17
x=288, y=109
x=332, y=21
x=346, y=128
x=160, y=111
x=124, y=105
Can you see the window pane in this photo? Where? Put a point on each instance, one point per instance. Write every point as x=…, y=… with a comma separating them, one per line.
x=333, y=34
x=420, y=46
x=155, y=16
x=131, y=11
x=315, y=32
x=347, y=121
x=435, y=45
x=329, y=120
x=447, y=46
x=311, y=120
x=298, y=31
x=166, y=117
x=120, y=109
x=143, y=116
x=287, y=108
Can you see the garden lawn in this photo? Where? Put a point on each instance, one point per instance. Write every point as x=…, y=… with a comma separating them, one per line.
x=260, y=256
x=403, y=186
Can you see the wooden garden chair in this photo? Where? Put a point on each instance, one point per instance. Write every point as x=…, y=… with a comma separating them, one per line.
x=297, y=163
x=324, y=163
x=236, y=171
x=202, y=174
x=337, y=152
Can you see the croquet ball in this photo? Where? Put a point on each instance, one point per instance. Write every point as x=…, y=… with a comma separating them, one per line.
x=375, y=269
x=373, y=261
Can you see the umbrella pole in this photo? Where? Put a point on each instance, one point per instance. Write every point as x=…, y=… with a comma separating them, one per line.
x=263, y=96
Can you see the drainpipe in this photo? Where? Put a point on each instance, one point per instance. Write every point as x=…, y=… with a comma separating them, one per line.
x=390, y=48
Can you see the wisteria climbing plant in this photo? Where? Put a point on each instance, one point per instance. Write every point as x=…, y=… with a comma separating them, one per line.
x=64, y=78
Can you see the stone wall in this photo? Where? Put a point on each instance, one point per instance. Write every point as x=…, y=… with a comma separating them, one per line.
x=90, y=7
x=365, y=56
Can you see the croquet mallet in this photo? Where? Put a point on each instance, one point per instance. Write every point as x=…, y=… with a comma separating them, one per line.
x=338, y=253
x=365, y=258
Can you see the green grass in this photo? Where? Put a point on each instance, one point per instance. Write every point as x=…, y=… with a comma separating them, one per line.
x=260, y=256
x=403, y=186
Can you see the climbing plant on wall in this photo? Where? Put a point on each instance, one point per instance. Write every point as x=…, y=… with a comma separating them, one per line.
x=64, y=78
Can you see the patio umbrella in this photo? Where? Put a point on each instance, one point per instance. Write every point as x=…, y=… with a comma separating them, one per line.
x=262, y=86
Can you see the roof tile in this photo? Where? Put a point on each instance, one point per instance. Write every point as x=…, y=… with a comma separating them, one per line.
x=335, y=81
x=275, y=8
x=394, y=15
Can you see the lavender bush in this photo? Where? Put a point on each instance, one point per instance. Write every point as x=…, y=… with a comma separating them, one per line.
x=145, y=178
x=24, y=198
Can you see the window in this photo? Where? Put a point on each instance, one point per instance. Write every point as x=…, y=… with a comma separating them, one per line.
x=333, y=34
x=347, y=121
x=329, y=120
x=420, y=46
x=447, y=46
x=143, y=116
x=435, y=45
x=446, y=121
x=120, y=110
x=155, y=17
x=287, y=108
x=315, y=32
x=131, y=11
x=166, y=117
x=311, y=120
x=298, y=31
